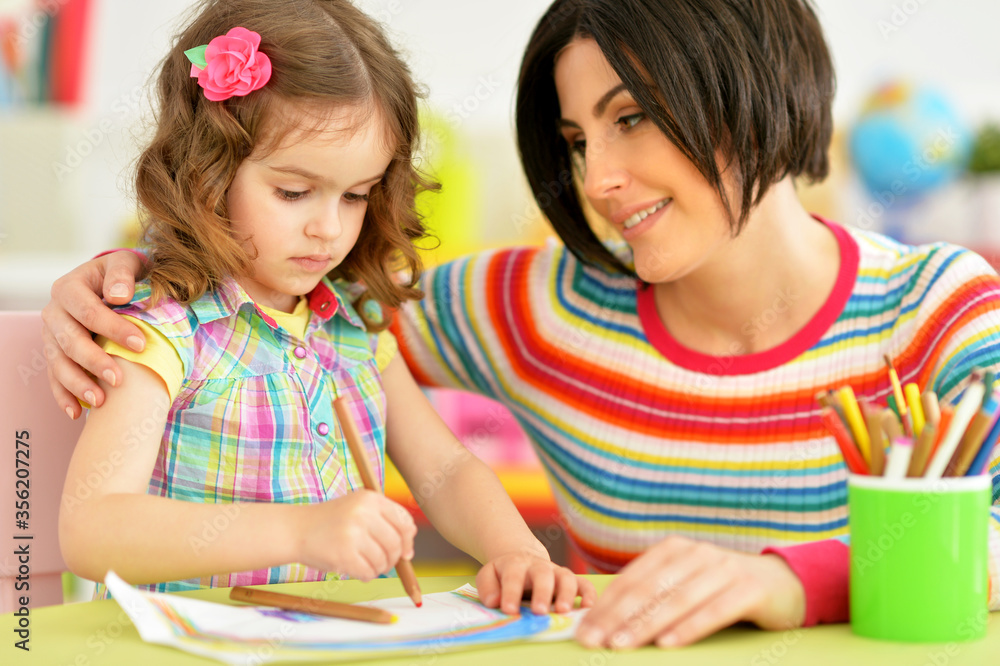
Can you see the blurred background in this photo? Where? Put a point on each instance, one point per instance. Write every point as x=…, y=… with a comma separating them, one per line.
x=916, y=152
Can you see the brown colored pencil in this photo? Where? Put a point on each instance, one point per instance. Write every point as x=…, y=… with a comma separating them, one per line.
x=932, y=408
x=824, y=398
x=969, y=445
x=828, y=399
x=922, y=450
x=891, y=425
x=873, y=419
x=404, y=568
x=314, y=606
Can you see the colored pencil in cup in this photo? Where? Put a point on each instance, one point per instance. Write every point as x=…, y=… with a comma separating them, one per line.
x=852, y=412
x=828, y=399
x=947, y=414
x=973, y=439
x=852, y=457
x=404, y=568
x=873, y=419
x=890, y=401
x=898, y=397
x=915, y=407
x=922, y=449
x=932, y=409
x=315, y=606
x=898, y=461
x=982, y=459
x=825, y=398
x=890, y=424
x=967, y=407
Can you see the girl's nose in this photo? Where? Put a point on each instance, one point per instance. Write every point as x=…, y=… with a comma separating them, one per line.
x=326, y=223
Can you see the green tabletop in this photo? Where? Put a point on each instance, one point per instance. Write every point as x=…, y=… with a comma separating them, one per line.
x=99, y=632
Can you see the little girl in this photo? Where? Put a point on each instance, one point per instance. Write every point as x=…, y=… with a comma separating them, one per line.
x=280, y=173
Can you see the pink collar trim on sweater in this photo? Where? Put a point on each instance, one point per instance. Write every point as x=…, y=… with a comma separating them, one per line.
x=745, y=364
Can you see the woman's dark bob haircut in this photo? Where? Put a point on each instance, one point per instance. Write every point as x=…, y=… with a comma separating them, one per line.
x=751, y=79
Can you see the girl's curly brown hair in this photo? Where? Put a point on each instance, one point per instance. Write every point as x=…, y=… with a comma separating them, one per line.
x=324, y=54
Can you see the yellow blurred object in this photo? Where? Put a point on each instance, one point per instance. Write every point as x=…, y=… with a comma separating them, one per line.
x=131, y=232
x=451, y=213
x=889, y=95
x=483, y=202
x=527, y=486
x=826, y=198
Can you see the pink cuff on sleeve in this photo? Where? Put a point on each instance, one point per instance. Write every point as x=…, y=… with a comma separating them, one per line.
x=138, y=253
x=823, y=568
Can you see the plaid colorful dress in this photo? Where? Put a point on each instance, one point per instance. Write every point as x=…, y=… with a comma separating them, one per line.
x=254, y=419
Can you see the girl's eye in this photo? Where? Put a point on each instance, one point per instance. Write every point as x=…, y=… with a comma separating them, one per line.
x=631, y=120
x=578, y=147
x=288, y=195
x=352, y=197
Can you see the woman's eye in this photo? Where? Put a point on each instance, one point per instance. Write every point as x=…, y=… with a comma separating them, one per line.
x=578, y=147
x=289, y=195
x=631, y=120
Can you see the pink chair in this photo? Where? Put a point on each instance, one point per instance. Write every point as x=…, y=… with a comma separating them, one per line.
x=37, y=440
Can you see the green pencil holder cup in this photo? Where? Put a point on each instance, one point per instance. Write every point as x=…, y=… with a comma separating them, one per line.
x=919, y=558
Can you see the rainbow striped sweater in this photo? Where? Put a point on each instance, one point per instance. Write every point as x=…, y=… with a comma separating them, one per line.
x=642, y=438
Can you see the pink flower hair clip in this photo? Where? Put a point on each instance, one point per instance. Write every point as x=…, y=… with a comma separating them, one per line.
x=230, y=65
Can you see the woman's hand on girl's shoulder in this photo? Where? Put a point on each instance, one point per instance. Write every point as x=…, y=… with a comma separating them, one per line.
x=682, y=590
x=75, y=311
x=505, y=580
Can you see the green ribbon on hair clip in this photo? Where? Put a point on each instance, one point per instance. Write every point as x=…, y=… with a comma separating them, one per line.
x=197, y=56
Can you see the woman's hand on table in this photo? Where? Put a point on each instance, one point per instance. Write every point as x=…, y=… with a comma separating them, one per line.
x=681, y=590
x=75, y=310
x=504, y=580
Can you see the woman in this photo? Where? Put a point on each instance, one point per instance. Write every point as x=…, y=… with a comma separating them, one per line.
x=668, y=384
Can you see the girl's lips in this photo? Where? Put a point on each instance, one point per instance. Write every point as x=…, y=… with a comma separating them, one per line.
x=651, y=219
x=312, y=265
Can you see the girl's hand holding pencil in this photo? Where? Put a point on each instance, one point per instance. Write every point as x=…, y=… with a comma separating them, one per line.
x=404, y=568
x=915, y=437
x=361, y=535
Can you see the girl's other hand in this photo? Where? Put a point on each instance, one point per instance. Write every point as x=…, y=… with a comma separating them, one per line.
x=681, y=590
x=503, y=581
x=73, y=313
x=361, y=535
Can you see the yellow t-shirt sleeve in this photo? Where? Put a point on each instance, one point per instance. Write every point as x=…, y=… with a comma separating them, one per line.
x=385, y=349
x=159, y=355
